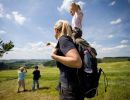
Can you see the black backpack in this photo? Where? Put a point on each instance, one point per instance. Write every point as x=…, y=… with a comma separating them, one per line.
x=89, y=74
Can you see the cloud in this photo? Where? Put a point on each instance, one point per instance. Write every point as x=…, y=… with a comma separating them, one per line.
x=110, y=49
x=114, y=22
x=2, y=32
x=124, y=41
x=19, y=18
x=112, y=3
x=8, y=16
x=95, y=45
x=128, y=1
x=66, y=4
x=15, y=16
x=117, y=50
x=35, y=45
x=110, y=36
x=1, y=11
x=37, y=50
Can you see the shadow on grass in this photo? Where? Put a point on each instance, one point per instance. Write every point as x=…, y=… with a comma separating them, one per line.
x=41, y=88
x=44, y=88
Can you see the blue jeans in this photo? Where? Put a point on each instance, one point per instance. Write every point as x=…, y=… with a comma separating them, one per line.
x=87, y=62
x=34, y=83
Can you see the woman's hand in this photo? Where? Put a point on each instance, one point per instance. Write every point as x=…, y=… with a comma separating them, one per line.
x=54, y=52
x=71, y=59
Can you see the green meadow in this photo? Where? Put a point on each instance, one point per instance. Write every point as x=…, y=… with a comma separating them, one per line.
x=118, y=74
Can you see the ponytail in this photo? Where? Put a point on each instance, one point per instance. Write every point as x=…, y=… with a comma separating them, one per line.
x=64, y=28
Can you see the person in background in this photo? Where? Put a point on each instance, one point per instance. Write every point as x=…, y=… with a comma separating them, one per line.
x=21, y=77
x=36, y=76
x=68, y=61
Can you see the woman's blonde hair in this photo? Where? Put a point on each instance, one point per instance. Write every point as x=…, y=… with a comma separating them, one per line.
x=63, y=27
x=73, y=4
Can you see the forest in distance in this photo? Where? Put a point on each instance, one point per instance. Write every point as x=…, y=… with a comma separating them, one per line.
x=29, y=63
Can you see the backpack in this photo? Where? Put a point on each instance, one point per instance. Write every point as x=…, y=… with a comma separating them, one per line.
x=89, y=74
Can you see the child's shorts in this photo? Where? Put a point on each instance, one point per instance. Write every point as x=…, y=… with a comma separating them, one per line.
x=78, y=32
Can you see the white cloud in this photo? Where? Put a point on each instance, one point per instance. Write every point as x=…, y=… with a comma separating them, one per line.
x=95, y=45
x=37, y=50
x=1, y=11
x=112, y=3
x=128, y=1
x=14, y=16
x=35, y=45
x=121, y=46
x=2, y=32
x=19, y=19
x=124, y=41
x=114, y=22
x=8, y=16
x=66, y=4
x=110, y=36
x=110, y=49
x=118, y=50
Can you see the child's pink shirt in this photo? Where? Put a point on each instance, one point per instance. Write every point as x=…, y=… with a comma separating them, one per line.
x=77, y=20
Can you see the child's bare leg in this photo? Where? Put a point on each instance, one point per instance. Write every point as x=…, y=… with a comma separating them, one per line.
x=23, y=84
x=19, y=85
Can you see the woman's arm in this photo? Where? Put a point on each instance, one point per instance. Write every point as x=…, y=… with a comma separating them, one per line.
x=71, y=59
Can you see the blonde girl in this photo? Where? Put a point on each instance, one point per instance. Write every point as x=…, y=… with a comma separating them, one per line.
x=77, y=14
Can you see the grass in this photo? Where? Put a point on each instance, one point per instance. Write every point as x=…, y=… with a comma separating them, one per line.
x=118, y=88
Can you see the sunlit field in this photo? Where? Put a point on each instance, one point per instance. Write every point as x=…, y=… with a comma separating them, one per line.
x=118, y=74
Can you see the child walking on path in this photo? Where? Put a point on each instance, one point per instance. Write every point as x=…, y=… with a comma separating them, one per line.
x=21, y=76
x=36, y=76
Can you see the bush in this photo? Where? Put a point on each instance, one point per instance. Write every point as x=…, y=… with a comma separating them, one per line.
x=51, y=63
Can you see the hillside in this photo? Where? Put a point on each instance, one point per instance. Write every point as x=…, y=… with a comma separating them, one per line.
x=118, y=83
x=16, y=63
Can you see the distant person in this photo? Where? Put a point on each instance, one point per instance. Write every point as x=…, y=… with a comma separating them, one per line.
x=21, y=76
x=77, y=14
x=68, y=61
x=36, y=76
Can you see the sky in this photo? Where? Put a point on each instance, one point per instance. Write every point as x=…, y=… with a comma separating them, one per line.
x=29, y=25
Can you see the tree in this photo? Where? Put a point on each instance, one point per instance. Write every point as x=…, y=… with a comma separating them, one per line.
x=5, y=47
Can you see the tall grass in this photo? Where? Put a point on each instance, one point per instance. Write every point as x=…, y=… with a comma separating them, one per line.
x=118, y=88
